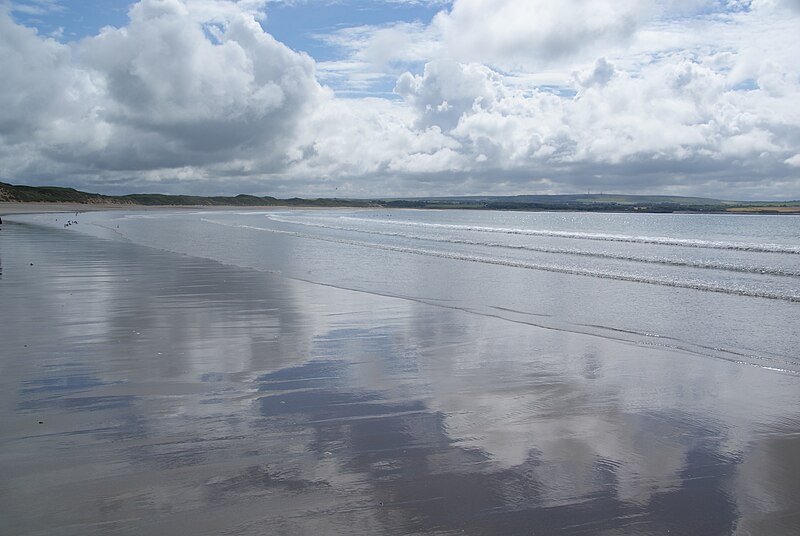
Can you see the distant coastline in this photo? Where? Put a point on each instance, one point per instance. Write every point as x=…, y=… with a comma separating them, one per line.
x=17, y=198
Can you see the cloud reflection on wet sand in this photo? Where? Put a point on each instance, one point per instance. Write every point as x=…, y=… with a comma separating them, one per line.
x=180, y=395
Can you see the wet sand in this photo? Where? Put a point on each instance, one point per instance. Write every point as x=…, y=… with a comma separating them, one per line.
x=143, y=392
x=7, y=207
x=11, y=207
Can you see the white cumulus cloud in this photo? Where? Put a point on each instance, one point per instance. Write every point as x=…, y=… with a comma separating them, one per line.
x=670, y=96
x=183, y=84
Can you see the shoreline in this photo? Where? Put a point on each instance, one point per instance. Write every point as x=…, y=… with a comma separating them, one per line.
x=44, y=207
x=21, y=207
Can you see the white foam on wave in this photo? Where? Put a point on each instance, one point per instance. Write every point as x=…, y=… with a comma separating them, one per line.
x=704, y=264
x=659, y=240
x=604, y=274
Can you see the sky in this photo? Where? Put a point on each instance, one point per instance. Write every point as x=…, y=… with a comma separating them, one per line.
x=369, y=98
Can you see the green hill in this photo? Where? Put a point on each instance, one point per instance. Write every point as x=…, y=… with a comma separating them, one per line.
x=54, y=194
x=51, y=194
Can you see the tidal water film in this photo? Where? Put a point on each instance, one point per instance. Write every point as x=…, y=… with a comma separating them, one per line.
x=399, y=372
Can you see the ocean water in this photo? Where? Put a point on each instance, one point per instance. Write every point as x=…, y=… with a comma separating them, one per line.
x=384, y=372
x=719, y=286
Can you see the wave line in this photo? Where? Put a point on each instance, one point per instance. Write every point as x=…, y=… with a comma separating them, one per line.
x=657, y=240
x=712, y=265
x=692, y=285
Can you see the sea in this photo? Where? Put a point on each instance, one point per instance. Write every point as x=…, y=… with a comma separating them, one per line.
x=718, y=285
